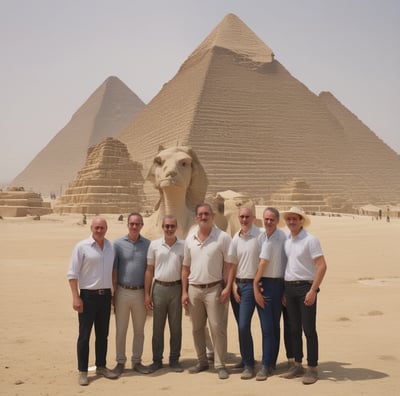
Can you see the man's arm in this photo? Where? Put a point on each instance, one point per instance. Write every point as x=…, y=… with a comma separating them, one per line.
x=256, y=287
x=229, y=274
x=77, y=303
x=319, y=276
x=185, y=285
x=148, y=280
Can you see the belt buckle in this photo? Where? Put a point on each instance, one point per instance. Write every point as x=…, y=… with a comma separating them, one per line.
x=101, y=292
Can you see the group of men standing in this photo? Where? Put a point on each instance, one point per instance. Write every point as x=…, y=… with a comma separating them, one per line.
x=256, y=269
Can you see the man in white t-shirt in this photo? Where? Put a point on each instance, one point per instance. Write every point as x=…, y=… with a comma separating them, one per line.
x=207, y=276
x=304, y=273
x=163, y=295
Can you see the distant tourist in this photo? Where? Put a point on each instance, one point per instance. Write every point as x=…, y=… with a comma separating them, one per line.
x=163, y=296
x=90, y=279
x=128, y=281
x=304, y=273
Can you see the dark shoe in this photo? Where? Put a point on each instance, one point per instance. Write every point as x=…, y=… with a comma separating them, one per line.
x=262, y=374
x=119, y=369
x=248, y=373
x=176, y=367
x=310, y=376
x=83, y=379
x=297, y=370
x=223, y=373
x=198, y=368
x=156, y=365
x=141, y=369
x=105, y=372
x=239, y=365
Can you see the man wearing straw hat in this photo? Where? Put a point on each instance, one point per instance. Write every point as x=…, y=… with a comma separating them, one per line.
x=304, y=273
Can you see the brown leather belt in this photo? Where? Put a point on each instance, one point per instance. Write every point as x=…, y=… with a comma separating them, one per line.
x=100, y=292
x=244, y=280
x=162, y=283
x=131, y=287
x=207, y=285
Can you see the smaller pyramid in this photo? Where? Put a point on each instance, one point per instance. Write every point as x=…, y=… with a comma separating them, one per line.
x=15, y=202
x=104, y=114
x=297, y=192
x=109, y=182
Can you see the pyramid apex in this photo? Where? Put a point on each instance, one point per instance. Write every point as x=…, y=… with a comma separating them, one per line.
x=233, y=34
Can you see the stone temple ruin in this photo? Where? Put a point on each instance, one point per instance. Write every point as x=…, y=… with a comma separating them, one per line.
x=109, y=182
x=16, y=202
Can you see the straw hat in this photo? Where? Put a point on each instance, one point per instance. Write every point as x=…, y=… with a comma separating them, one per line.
x=298, y=211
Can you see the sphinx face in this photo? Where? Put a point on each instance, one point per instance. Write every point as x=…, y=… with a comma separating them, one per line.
x=172, y=169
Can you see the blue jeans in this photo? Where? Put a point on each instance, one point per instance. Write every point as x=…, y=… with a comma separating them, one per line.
x=96, y=311
x=243, y=313
x=167, y=303
x=270, y=318
x=302, y=317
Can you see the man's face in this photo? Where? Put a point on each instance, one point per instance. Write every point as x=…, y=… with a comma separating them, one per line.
x=294, y=222
x=169, y=227
x=204, y=217
x=135, y=224
x=98, y=229
x=270, y=222
x=246, y=219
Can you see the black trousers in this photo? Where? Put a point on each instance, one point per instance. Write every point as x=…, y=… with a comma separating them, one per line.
x=302, y=318
x=96, y=311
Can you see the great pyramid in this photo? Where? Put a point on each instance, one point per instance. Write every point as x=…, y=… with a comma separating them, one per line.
x=110, y=182
x=108, y=110
x=255, y=127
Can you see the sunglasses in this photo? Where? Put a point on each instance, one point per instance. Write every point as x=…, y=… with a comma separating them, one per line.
x=244, y=217
x=169, y=226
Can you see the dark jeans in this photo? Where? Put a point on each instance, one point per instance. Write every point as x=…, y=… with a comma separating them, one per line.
x=243, y=313
x=167, y=303
x=302, y=317
x=96, y=310
x=270, y=318
x=287, y=336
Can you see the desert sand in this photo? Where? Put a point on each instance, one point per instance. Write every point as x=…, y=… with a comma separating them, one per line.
x=358, y=317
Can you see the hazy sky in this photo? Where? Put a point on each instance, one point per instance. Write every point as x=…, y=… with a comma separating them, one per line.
x=56, y=53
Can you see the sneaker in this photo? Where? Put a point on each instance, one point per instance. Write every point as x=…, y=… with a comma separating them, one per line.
x=297, y=370
x=176, y=367
x=262, y=374
x=223, y=373
x=119, y=369
x=141, y=369
x=310, y=376
x=156, y=365
x=248, y=373
x=83, y=379
x=198, y=368
x=105, y=372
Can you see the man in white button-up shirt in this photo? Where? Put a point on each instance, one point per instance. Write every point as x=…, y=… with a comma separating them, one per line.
x=90, y=279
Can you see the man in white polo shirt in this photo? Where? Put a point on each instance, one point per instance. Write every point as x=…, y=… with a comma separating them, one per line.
x=207, y=276
x=304, y=273
x=163, y=296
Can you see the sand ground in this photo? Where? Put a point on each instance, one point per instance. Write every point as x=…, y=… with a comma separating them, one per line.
x=358, y=317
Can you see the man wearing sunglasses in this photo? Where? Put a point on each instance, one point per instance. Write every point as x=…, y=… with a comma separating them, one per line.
x=128, y=281
x=163, y=295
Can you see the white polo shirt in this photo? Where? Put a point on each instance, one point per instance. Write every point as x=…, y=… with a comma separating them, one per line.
x=206, y=259
x=167, y=260
x=244, y=253
x=301, y=252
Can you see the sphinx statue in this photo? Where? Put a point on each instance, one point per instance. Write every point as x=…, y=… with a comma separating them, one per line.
x=182, y=183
